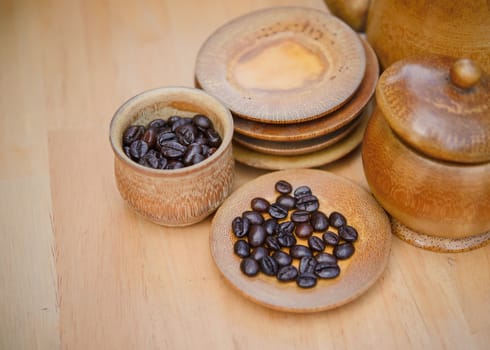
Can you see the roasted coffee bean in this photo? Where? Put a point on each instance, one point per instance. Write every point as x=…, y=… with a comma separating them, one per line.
x=270, y=226
x=186, y=134
x=286, y=201
x=193, y=150
x=298, y=251
x=249, y=267
x=308, y=202
x=336, y=219
x=211, y=151
x=214, y=140
x=138, y=149
x=152, y=159
x=268, y=265
x=302, y=191
x=157, y=124
x=287, y=273
x=286, y=240
x=240, y=226
x=307, y=264
x=272, y=243
x=180, y=122
x=283, y=187
x=258, y=253
x=348, y=233
x=331, y=238
x=256, y=235
x=127, y=151
x=303, y=230
x=285, y=227
x=326, y=258
x=133, y=133
x=306, y=280
x=163, y=162
x=299, y=216
x=254, y=217
x=282, y=258
x=197, y=158
x=316, y=244
x=202, y=122
x=327, y=271
x=319, y=221
x=343, y=251
x=277, y=211
x=150, y=137
x=260, y=204
x=241, y=248
x=172, y=149
x=174, y=164
x=173, y=119
x=165, y=136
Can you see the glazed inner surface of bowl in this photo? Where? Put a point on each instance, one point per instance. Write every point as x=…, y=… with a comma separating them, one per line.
x=163, y=103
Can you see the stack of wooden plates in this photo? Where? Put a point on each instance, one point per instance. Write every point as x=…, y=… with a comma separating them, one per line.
x=298, y=82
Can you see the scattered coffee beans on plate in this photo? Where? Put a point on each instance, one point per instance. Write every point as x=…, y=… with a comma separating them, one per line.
x=291, y=238
x=174, y=143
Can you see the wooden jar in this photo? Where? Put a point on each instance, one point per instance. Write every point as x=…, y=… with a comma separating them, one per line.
x=426, y=152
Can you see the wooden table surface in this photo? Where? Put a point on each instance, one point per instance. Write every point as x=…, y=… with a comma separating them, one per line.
x=79, y=270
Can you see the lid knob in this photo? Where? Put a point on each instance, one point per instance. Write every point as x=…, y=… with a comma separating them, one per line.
x=465, y=73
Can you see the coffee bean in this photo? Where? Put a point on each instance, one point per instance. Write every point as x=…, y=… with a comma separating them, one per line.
x=202, y=122
x=331, y=238
x=327, y=271
x=316, y=244
x=258, y=253
x=268, y=265
x=172, y=149
x=343, y=251
x=151, y=159
x=286, y=227
x=299, y=216
x=192, y=151
x=306, y=280
x=308, y=202
x=254, y=217
x=298, y=251
x=286, y=201
x=174, y=164
x=256, y=235
x=272, y=243
x=173, y=119
x=302, y=191
x=326, y=258
x=249, y=267
x=165, y=136
x=307, y=264
x=287, y=273
x=179, y=122
x=303, y=230
x=150, y=137
x=138, y=149
x=157, y=124
x=240, y=226
x=260, y=204
x=270, y=226
x=214, y=140
x=133, y=133
x=282, y=258
x=277, y=211
x=336, y=219
x=319, y=221
x=283, y=187
x=348, y=233
x=241, y=248
x=286, y=240
x=186, y=134
x=127, y=151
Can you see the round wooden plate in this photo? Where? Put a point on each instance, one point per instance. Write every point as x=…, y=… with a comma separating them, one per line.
x=334, y=193
x=282, y=65
x=293, y=148
x=310, y=160
x=323, y=125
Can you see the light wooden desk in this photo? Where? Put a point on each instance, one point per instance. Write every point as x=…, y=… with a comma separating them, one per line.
x=78, y=270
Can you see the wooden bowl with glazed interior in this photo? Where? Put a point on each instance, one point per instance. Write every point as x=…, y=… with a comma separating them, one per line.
x=426, y=152
x=177, y=197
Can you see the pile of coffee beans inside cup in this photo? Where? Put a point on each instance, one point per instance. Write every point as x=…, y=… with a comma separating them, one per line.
x=174, y=143
x=289, y=237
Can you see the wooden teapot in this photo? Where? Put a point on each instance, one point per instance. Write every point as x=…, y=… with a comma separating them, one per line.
x=398, y=28
x=426, y=151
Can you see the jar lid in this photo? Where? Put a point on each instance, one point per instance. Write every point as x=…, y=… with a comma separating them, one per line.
x=438, y=105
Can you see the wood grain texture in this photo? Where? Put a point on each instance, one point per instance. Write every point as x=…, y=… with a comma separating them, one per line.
x=95, y=275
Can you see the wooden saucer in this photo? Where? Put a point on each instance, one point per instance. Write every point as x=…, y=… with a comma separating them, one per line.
x=310, y=160
x=334, y=192
x=282, y=65
x=293, y=148
x=323, y=125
